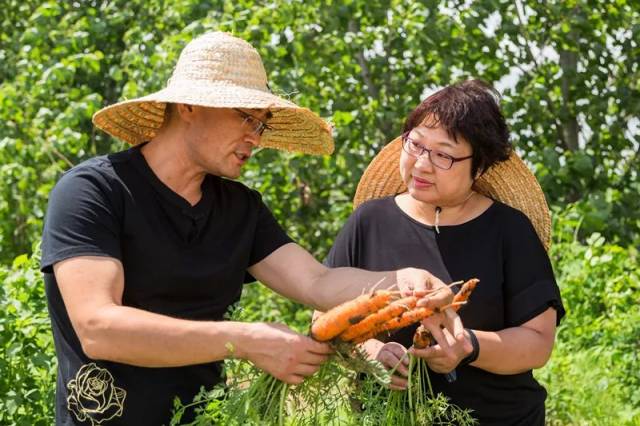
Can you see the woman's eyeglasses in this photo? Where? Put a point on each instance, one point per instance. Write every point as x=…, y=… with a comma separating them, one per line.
x=439, y=159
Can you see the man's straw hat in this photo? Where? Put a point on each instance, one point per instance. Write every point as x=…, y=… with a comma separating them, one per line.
x=510, y=182
x=221, y=71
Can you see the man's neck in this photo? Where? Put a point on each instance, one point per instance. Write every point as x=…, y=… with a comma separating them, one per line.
x=166, y=156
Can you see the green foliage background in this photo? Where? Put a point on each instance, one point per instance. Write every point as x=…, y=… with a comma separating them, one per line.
x=568, y=71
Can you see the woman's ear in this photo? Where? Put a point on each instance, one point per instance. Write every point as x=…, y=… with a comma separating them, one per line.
x=479, y=173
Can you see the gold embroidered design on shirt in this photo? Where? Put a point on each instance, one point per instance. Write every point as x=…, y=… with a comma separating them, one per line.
x=93, y=396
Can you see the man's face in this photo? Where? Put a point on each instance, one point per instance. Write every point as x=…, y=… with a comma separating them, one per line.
x=221, y=140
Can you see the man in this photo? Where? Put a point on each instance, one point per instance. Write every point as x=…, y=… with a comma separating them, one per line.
x=144, y=250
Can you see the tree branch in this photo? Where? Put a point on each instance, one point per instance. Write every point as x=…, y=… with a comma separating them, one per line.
x=364, y=68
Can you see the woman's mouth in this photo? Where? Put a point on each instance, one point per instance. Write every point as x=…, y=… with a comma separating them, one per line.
x=421, y=183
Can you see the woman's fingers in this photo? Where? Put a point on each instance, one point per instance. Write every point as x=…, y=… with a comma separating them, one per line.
x=394, y=357
x=439, y=335
x=398, y=383
x=453, y=322
x=392, y=362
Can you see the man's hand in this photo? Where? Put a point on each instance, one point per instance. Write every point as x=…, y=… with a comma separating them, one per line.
x=395, y=358
x=283, y=353
x=418, y=282
x=453, y=342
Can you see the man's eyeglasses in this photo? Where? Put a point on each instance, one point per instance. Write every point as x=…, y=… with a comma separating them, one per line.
x=256, y=125
x=439, y=159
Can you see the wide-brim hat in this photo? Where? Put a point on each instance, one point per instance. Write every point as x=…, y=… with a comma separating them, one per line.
x=510, y=182
x=219, y=70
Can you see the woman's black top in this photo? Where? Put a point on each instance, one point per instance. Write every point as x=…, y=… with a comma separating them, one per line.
x=501, y=248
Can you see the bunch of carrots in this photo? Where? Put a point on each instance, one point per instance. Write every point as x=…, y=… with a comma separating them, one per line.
x=378, y=312
x=327, y=397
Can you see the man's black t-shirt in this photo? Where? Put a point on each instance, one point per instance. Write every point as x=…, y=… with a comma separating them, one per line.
x=501, y=248
x=179, y=260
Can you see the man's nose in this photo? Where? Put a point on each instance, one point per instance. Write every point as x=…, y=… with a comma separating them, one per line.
x=253, y=138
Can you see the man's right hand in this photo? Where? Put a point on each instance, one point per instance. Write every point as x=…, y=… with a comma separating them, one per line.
x=283, y=353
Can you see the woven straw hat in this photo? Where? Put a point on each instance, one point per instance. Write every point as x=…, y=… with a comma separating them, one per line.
x=221, y=71
x=510, y=182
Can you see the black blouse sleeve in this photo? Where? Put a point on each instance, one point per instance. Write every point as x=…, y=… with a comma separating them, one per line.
x=81, y=219
x=530, y=285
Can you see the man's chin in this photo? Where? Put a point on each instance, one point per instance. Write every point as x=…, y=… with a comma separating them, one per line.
x=231, y=174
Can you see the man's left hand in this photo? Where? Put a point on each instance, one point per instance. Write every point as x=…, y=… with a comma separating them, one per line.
x=421, y=283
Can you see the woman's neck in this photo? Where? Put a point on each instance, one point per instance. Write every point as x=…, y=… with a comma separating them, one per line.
x=454, y=213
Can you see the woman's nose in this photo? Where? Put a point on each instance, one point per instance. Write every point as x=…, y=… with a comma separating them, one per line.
x=423, y=162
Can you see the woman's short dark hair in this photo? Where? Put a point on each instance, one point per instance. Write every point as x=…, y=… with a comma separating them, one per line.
x=470, y=110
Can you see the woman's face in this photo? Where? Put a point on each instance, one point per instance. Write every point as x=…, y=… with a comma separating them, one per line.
x=430, y=184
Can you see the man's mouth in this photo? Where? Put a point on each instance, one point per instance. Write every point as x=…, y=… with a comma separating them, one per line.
x=242, y=156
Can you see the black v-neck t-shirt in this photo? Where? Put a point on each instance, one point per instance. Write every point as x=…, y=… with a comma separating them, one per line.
x=179, y=260
x=501, y=248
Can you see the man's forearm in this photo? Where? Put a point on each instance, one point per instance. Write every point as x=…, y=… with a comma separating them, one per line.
x=294, y=273
x=133, y=336
x=338, y=285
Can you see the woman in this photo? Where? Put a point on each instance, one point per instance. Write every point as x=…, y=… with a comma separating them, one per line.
x=463, y=205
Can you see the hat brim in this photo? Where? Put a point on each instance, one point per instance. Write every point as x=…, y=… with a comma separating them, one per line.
x=293, y=128
x=510, y=182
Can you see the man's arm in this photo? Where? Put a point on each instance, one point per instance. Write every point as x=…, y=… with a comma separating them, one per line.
x=293, y=272
x=92, y=288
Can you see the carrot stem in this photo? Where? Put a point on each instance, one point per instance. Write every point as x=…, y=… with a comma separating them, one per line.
x=410, y=389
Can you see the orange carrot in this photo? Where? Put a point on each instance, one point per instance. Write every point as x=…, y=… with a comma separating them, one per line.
x=418, y=314
x=404, y=320
x=335, y=321
x=394, y=309
x=465, y=292
x=408, y=318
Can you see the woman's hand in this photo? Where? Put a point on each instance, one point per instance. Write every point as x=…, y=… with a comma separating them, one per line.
x=393, y=356
x=453, y=343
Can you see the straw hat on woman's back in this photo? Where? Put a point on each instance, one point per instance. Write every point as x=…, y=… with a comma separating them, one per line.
x=219, y=70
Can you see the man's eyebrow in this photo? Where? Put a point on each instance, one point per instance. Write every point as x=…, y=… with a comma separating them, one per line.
x=263, y=114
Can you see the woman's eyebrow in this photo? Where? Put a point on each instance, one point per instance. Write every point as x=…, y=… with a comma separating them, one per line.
x=443, y=142
x=446, y=143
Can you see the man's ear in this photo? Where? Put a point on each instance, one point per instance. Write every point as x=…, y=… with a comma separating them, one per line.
x=185, y=111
